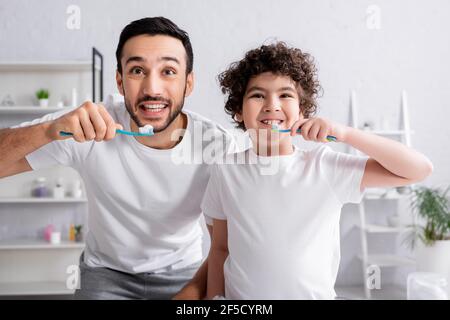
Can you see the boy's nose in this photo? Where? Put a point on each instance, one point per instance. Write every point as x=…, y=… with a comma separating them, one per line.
x=272, y=108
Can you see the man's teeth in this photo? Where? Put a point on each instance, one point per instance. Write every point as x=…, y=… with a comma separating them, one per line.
x=154, y=107
x=271, y=122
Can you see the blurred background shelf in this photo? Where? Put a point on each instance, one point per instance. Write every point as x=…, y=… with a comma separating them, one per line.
x=42, y=200
x=387, y=260
x=36, y=244
x=32, y=110
x=82, y=65
x=374, y=228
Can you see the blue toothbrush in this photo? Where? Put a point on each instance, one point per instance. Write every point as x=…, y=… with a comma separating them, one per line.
x=145, y=131
x=275, y=129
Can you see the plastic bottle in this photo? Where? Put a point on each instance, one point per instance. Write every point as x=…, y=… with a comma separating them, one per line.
x=72, y=233
x=40, y=188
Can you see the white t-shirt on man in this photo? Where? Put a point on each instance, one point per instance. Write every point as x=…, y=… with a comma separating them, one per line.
x=144, y=203
x=283, y=221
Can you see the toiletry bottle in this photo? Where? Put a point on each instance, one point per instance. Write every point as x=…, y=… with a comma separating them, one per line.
x=48, y=232
x=58, y=190
x=72, y=233
x=40, y=188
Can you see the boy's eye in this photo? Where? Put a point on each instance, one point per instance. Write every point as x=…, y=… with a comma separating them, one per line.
x=257, y=96
x=286, y=95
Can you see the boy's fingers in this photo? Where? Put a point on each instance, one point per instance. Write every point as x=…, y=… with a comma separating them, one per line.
x=314, y=131
x=305, y=130
x=297, y=125
x=323, y=135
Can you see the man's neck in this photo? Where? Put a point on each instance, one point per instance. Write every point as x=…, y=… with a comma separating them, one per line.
x=164, y=139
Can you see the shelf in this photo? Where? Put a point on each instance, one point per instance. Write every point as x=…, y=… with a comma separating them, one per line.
x=388, y=291
x=34, y=288
x=31, y=110
x=35, y=244
x=373, y=228
x=389, y=132
x=388, y=197
x=47, y=66
x=42, y=200
x=388, y=260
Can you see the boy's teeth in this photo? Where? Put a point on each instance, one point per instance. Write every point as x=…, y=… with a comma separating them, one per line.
x=271, y=122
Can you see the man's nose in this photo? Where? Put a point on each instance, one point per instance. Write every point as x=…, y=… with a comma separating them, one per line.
x=152, y=85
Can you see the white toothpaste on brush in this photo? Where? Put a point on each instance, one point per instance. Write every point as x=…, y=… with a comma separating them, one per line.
x=147, y=129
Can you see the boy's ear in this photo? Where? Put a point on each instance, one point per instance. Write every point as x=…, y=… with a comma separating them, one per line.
x=300, y=115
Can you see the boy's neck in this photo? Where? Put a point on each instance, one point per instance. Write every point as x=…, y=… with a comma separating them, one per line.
x=163, y=139
x=275, y=149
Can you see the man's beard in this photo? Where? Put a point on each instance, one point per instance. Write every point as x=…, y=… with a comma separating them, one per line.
x=174, y=110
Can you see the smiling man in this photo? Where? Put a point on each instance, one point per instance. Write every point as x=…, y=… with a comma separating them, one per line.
x=144, y=239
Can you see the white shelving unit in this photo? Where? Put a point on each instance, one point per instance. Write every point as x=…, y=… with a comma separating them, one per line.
x=29, y=265
x=42, y=200
x=33, y=244
x=403, y=134
x=29, y=110
x=75, y=65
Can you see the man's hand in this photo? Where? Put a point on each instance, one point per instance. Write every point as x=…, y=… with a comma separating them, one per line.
x=88, y=122
x=317, y=129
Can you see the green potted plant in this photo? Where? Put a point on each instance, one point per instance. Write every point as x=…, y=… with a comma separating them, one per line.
x=42, y=95
x=431, y=207
x=79, y=233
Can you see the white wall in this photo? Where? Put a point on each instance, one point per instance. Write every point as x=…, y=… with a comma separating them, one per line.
x=410, y=51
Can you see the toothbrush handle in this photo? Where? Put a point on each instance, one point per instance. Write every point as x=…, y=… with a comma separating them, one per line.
x=129, y=133
x=329, y=138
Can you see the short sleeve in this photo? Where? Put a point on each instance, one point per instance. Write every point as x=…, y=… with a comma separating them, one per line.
x=344, y=173
x=53, y=153
x=212, y=204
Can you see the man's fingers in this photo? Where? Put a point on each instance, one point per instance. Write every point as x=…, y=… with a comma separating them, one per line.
x=110, y=125
x=86, y=125
x=98, y=122
x=88, y=122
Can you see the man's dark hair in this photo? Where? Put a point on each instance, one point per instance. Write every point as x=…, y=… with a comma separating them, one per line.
x=155, y=26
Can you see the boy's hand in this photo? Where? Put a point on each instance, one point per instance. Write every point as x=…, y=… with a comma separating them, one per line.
x=317, y=129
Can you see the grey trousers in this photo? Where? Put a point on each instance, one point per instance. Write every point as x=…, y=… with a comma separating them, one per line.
x=108, y=284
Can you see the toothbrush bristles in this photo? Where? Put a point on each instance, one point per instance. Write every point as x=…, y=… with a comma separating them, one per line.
x=147, y=129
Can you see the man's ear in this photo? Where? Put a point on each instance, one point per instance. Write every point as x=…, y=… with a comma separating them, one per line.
x=119, y=82
x=189, y=84
x=238, y=117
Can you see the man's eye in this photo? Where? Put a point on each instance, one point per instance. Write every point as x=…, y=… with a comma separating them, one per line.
x=169, y=72
x=137, y=71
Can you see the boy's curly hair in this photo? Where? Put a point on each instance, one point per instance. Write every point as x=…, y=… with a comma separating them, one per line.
x=279, y=59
